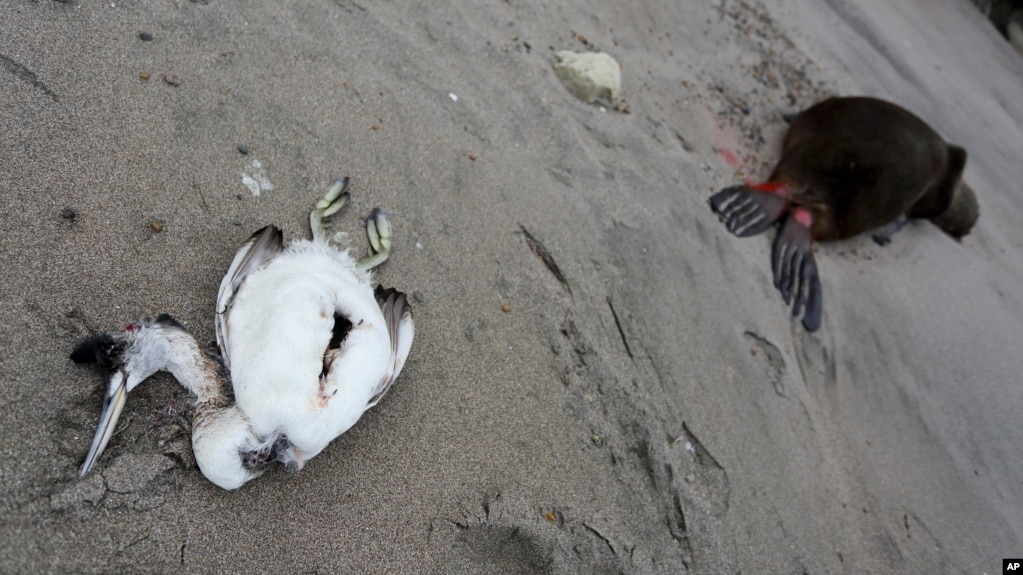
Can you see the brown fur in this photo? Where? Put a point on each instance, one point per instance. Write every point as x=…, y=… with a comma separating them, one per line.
x=859, y=163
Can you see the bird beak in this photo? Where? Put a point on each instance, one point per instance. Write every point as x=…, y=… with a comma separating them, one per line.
x=113, y=403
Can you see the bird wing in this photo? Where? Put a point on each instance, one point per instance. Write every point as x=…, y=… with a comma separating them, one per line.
x=400, y=327
x=254, y=253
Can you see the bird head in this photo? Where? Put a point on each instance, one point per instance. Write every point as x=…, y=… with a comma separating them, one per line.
x=226, y=449
x=126, y=359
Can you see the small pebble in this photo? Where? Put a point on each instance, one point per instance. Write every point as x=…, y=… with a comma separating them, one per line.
x=68, y=213
x=172, y=80
x=236, y=222
x=374, y=127
x=156, y=226
x=505, y=308
x=472, y=157
x=146, y=37
x=243, y=149
x=144, y=75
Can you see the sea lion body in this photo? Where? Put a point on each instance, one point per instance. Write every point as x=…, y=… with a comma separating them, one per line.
x=848, y=165
x=860, y=163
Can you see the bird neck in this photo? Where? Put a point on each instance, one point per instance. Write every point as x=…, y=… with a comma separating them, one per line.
x=197, y=373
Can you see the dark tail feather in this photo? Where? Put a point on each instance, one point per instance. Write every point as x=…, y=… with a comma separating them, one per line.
x=747, y=211
x=795, y=273
x=398, y=318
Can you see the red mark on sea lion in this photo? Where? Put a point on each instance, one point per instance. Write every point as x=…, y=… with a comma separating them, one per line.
x=770, y=187
x=803, y=217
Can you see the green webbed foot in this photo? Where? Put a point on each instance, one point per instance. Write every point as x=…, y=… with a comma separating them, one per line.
x=333, y=200
x=378, y=230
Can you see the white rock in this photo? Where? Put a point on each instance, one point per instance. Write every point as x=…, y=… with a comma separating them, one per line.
x=593, y=77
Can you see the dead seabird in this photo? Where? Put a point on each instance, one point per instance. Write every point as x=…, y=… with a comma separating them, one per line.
x=308, y=343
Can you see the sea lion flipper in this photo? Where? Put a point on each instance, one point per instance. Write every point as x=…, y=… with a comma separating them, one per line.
x=882, y=236
x=810, y=295
x=814, y=303
x=795, y=272
x=747, y=211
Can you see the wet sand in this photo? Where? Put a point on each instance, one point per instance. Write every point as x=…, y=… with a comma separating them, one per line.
x=650, y=408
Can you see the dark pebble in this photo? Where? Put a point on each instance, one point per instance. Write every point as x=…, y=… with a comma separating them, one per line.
x=68, y=213
x=745, y=110
x=243, y=150
x=146, y=37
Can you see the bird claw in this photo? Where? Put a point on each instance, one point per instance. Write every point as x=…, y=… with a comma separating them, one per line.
x=378, y=228
x=333, y=200
x=379, y=232
x=336, y=189
x=378, y=225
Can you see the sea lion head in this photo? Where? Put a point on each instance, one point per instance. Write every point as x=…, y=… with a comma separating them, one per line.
x=960, y=217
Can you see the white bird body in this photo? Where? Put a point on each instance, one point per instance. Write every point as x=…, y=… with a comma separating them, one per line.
x=309, y=343
x=281, y=322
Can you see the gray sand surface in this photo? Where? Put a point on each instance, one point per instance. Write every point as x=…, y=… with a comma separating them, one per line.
x=657, y=411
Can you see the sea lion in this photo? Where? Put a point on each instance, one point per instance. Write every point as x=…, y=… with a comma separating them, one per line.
x=848, y=165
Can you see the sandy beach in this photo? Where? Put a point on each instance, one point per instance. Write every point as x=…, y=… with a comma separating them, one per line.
x=603, y=379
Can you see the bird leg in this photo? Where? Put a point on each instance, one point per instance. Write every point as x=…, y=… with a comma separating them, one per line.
x=333, y=200
x=378, y=226
x=378, y=229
